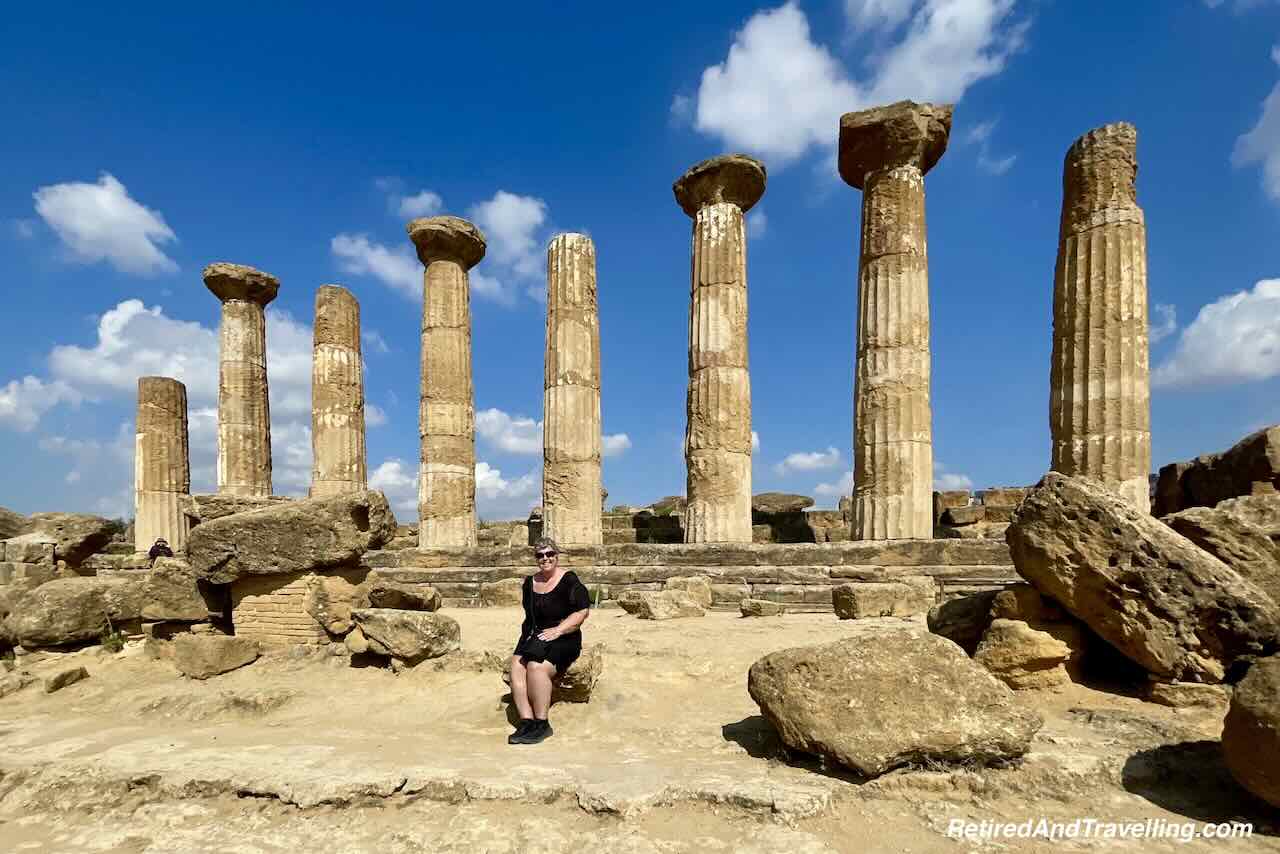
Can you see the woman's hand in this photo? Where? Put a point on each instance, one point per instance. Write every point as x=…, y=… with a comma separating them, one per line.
x=549, y=634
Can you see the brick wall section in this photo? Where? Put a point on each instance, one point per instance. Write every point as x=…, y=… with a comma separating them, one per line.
x=269, y=608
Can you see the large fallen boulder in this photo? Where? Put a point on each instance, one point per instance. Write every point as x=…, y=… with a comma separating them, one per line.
x=172, y=593
x=875, y=702
x=1239, y=533
x=212, y=506
x=293, y=536
x=73, y=610
x=1249, y=467
x=1170, y=607
x=75, y=536
x=660, y=604
x=1022, y=657
x=697, y=586
x=410, y=636
x=205, y=655
x=862, y=599
x=1251, y=731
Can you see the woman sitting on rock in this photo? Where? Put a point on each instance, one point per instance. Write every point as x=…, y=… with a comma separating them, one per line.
x=555, y=604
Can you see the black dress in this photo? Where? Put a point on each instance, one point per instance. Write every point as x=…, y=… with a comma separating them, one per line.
x=548, y=610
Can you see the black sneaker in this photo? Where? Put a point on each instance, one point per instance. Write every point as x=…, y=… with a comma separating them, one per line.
x=522, y=729
x=540, y=731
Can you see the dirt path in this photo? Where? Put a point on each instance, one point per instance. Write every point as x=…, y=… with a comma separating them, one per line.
x=671, y=755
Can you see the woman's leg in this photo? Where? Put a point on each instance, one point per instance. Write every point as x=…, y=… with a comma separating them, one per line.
x=538, y=677
x=520, y=688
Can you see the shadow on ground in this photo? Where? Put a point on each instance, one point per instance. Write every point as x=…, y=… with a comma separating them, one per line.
x=1191, y=779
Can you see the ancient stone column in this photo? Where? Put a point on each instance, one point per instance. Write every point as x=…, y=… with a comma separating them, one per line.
x=1099, y=379
x=244, y=416
x=161, y=465
x=337, y=395
x=885, y=152
x=717, y=193
x=571, y=492
x=448, y=247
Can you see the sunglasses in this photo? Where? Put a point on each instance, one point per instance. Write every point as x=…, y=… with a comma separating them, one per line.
x=544, y=555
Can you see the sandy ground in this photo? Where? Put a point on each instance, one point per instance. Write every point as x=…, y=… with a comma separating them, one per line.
x=671, y=755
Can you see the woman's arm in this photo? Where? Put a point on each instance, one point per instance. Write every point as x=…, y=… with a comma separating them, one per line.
x=568, y=624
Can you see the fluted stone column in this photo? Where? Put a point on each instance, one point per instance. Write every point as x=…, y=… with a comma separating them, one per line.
x=1099, y=381
x=337, y=395
x=161, y=465
x=885, y=152
x=571, y=491
x=448, y=247
x=717, y=193
x=244, y=415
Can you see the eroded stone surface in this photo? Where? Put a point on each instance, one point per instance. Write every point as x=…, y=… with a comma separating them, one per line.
x=1022, y=657
x=1239, y=532
x=864, y=599
x=204, y=656
x=735, y=179
x=337, y=395
x=900, y=134
x=1249, y=467
x=447, y=238
x=410, y=636
x=1251, y=731
x=162, y=466
x=761, y=608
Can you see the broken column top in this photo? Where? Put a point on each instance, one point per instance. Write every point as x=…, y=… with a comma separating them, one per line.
x=337, y=316
x=1099, y=175
x=447, y=238
x=734, y=178
x=239, y=282
x=901, y=134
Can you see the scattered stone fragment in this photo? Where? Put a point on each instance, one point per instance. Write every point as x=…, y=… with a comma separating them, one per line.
x=13, y=682
x=403, y=597
x=661, y=605
x=505, y=593
x=1251, y=731
x=294, y=536
x=172, y=593
x=1183, y=695
x=859, y=600
x=1175, y=610
x=1239, y=533
x=410, y=636
x=329, y=600
x=968, y=515
x=356, y=642
x=964, y=619
x=697, y=586
x=876, y=702
x=779, y=502
x=1249, y=467
x=761, y=608
x=1021, y=657
x=203, y=656
x=63, y=678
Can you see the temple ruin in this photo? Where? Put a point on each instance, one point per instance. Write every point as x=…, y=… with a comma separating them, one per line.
x=337, y=395
x=162, y=461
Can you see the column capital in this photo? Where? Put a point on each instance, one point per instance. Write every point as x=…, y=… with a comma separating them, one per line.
x=240, y=282
x=733, y=178
x=447, y=238
x=901, y=134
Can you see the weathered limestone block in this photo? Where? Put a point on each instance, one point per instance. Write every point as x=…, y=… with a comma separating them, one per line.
x=1022, y=657
x=506, y=593
x=1099, y=382
x=172, y=593
x=716, y=194
x=571, y=486
x=30, y=549
x=575, y=684
x=1251, y=731
x=296, y=536
x=969, y=515
x=848, y=701
x=963, y=620
x=860, y=600
x=1249, y=467
x=886, y=152
x=71, y=610
x=203, y=656
x=697, y=586
x=337, y=396
x=768, y=503
x=447, y=247
x=75, y=536
x=216, y=505
x=660, y=605
x=63, y=678
x=1239, y=532
x=761, y=608
x=403, y=597
x=1186, y=695
x=244, y=417
x=1000, y=502
x=329, y=600
x=162, y=466
x=947, y=499
x=410, y=636
x=1172, y=608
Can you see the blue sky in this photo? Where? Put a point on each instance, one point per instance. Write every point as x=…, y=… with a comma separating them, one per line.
x=143, y=146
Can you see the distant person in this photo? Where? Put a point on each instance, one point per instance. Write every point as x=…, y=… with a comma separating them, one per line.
x=160, y=548
x=555, y=603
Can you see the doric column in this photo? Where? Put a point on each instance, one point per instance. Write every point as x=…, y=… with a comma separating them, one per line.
x=161, y=465
x=337, y=395
x=244, y=416
x=571, y=398
x=448, y=247
x=885, y=152
x=717, y=193
x=1099, y=379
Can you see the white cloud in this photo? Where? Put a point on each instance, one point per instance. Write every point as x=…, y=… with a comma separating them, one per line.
x=399, y=268
x=1165, y=322
x=23, y=401
x=809, y=461
x=374, y=415
x=494, y=289
x=757, y=223
x=519, y=435
x=995, y=165
x=981, y=132
x=615, y=444
x=755, y=441
x=980, y=135
x=839, y=489
x=492, y=486
x=101, y=222
x=778, y=93
x=399, y=482
x=374, y=339
x=1232, y=340
x=425, y=203
x=1262, y=143
x=510, y=223
x=950, y=480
